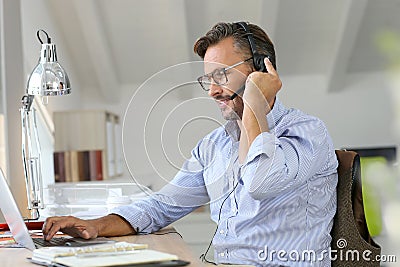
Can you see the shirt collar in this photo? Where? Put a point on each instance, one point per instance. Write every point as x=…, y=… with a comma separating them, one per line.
x=273, y=118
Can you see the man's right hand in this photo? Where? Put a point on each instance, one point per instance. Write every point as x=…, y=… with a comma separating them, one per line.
x=71, y=226
x=110, y=225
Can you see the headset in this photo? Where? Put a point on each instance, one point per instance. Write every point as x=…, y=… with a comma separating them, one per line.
x=258, y=59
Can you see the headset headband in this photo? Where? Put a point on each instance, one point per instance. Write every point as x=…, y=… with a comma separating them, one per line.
x=258, y=59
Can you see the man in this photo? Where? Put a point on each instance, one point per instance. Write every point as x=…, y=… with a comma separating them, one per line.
x=269, y=173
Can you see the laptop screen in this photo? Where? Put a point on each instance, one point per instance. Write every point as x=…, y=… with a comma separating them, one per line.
x=13, y=216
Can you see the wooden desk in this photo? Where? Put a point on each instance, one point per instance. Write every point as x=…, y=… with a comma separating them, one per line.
x=170, y=243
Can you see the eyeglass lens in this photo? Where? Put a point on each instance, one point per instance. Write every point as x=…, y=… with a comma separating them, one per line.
x=218, y=76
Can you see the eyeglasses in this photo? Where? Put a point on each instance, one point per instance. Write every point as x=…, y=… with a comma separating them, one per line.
x=218, y=76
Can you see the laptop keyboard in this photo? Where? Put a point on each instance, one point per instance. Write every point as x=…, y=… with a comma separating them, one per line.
x=57, y=242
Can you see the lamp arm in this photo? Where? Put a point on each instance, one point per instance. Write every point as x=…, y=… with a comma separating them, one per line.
x=48, y=78
x=31, y=156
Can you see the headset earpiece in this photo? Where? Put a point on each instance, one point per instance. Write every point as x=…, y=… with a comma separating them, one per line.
x=258, y=59
x=259, y=62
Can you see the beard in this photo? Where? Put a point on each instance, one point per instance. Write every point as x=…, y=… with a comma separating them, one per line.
x=230, y=109
x=229, y=113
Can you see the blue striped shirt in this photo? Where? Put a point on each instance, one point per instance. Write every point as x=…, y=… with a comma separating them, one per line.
x=275, y=208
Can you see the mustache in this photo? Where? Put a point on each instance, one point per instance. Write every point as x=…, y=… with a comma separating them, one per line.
x=222, y=97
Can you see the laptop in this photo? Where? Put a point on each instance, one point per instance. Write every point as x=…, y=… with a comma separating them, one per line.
x=21, y=235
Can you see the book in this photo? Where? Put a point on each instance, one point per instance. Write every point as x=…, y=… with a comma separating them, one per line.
x=59, y=166
x=67, y=164
x=99, y=165
x=56, y=167
x=119, y=253
x=85, y=166
x=74, y=166
x=92, y=165
x=96, y=165
x=81, y=171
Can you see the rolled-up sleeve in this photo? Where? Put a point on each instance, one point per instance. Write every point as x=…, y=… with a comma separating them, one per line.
x=275, y=164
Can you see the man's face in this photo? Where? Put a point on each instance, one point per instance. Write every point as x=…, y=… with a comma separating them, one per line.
x=221, y=55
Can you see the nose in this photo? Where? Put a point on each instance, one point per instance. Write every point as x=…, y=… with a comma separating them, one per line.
x=215, y=90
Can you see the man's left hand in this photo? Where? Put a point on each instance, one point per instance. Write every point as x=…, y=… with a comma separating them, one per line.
x=260, y=84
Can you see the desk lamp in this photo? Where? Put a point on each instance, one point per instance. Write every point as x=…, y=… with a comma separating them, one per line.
x=48, y=78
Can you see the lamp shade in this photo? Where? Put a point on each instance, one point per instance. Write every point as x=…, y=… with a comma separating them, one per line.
x=48, y=78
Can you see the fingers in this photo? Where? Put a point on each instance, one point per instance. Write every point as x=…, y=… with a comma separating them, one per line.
x=50, y=227
x=270, y=67
x=84, y=232
x=268, y=84
x=69, y=225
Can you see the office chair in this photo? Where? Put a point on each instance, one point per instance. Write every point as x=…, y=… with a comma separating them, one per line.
x=351, y=244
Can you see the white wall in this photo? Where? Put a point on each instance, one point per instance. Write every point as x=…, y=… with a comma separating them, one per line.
x=360, y=115
x=35, y=15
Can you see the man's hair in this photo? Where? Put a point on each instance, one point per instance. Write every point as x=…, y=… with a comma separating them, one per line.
x=223, y=30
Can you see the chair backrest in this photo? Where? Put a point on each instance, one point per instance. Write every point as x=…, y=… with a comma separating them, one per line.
x=351, y=243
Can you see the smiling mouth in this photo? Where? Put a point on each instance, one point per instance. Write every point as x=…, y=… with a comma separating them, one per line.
x=222, y=102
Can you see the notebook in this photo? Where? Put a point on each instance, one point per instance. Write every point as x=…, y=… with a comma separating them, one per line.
x=18, y=228
x=122, y=254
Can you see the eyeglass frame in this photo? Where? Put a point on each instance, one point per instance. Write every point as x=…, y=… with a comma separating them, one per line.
x=224, y=70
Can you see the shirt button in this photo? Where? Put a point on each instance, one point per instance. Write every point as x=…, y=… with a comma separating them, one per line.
x=222, y=254
x=222, y=232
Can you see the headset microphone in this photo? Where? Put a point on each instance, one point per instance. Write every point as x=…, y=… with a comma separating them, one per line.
x=239, y=91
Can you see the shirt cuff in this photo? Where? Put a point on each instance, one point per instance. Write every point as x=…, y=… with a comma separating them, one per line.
x=265, y=143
